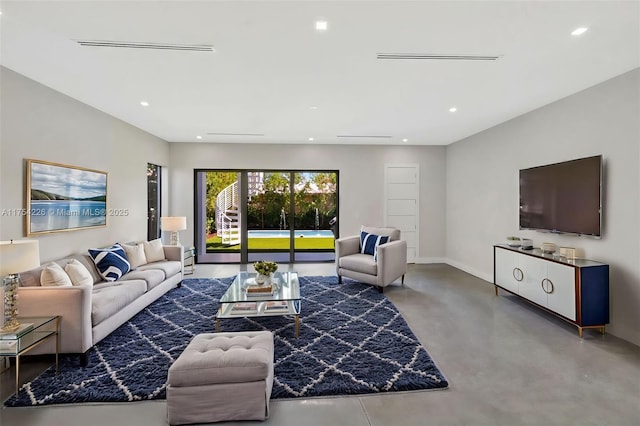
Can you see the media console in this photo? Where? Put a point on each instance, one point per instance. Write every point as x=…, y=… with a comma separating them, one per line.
x=575, y=290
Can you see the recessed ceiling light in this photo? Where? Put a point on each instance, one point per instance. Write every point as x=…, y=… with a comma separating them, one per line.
x=453, y=109
x=579, y=31
x=405, y=140
x=198, y=137
x=311, y=139
x=144, y=103
x=313, y=107
x=321, y=25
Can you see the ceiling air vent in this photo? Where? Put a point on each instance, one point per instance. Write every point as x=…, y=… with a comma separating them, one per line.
x=235, y=134
x=365, y=136
x=438, y=56
x=145, y=45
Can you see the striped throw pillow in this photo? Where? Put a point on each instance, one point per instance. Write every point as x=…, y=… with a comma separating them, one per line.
x=112, y=262
x=369, y=243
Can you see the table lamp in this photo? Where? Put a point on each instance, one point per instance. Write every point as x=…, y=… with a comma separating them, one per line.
x=173, y=225
x=15, y=257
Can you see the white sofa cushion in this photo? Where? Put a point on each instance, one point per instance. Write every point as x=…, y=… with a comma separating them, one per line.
x=358, y=262
x=152, y=277
x=78, y=273
x=169, y=267
x=54, y=276
x=135, y=254
x=153, y=250
x=110, y=298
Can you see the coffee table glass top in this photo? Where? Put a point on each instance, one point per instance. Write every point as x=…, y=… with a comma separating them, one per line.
x=285, y=287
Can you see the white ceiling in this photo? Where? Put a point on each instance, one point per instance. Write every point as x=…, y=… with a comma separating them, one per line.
x=270, y=65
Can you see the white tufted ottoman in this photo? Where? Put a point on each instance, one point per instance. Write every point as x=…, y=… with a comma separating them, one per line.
x=221, y=377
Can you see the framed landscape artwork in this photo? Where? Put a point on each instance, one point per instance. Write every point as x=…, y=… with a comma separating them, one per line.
x=64, y=198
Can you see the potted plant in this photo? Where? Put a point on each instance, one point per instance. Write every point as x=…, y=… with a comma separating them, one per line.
x=264, y=268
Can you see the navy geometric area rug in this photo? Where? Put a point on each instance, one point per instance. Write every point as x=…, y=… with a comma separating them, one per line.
x=352, y=340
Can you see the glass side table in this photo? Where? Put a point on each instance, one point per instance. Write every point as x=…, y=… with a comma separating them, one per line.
x=189, y=260
x=33, y=332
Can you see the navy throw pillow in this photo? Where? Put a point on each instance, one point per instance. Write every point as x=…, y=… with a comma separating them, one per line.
x=112, y=262
x=369, y=243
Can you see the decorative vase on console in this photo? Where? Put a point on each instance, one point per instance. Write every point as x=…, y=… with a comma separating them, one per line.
x=265, y=270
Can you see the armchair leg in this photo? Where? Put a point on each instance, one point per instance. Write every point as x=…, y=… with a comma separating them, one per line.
x=381, y=289
x=402, y=280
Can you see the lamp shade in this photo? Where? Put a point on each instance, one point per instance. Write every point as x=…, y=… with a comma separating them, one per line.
x=18, y=256
x=173, y=223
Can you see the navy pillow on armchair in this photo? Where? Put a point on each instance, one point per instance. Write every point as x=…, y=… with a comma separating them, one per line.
x=369, y=243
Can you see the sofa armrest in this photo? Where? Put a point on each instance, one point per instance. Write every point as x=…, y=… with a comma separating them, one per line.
x=392, y=261
x=73, y=304
x=175, y=253
x=345, y=247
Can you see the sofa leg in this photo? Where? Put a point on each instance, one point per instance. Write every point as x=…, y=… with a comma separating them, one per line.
x=402, y=280
x=179, y=284
x=84, y=359
x=381, y=289
x=339, y=279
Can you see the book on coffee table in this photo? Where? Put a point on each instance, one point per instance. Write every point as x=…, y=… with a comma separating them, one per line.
x=244, y=308
x=276, y=306
x=259, y=289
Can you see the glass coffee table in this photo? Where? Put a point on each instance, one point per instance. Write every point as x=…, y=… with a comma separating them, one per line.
x=245, y=298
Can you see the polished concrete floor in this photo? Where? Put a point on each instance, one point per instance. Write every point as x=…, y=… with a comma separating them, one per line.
x=507, y=364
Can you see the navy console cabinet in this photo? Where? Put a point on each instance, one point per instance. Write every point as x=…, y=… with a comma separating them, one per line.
x=576, y=290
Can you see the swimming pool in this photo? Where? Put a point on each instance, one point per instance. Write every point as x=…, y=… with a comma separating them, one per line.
x=323, y=233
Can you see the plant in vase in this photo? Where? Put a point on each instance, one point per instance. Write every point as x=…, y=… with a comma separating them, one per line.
x=264, y=268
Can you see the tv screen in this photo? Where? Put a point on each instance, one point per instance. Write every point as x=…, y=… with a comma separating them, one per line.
x=563, y=197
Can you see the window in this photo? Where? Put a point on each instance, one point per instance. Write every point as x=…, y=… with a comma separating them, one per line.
x=153, y=201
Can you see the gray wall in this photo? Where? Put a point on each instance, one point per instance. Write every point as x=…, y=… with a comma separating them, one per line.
x=361, y=180
x=40, y=123
x=468, y=190
x=482, y=186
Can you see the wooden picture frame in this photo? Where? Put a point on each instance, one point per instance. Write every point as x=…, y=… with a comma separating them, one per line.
x=64, y=198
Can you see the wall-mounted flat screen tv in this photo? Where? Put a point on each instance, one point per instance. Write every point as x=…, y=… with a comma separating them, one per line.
x=563, y=197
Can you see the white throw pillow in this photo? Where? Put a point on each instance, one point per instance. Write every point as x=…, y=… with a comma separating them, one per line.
x=153, y=250
x=54, y=276
x=78, y=273
x=136, y=255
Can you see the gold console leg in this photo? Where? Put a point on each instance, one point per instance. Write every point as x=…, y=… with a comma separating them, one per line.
x=580, y=332
x=17, y=374
x=602, y=330
x=57, y=343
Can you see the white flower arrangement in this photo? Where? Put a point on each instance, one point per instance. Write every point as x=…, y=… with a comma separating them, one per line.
x=265, y=267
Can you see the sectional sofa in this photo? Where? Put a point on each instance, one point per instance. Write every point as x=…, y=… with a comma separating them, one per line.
x=95, y=307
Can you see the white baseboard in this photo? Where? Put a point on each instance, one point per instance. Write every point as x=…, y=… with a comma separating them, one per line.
x=425, y=260
x=473, y=271
x=457, y=265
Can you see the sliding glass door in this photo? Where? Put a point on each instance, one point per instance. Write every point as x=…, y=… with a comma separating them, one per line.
x=248, y=215
x=218, y=216
x=315, y=207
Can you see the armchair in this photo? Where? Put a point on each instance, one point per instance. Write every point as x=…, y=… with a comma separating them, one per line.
x=387, y=263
